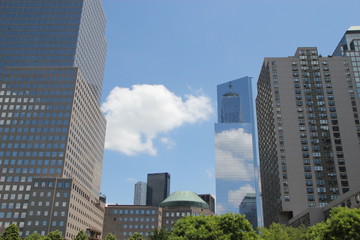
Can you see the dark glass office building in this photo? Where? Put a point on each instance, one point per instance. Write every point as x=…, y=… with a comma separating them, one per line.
x=158, y=188
x=235, y=145
x=52, y=55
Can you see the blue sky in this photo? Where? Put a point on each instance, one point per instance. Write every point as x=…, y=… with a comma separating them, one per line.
x=164, y=61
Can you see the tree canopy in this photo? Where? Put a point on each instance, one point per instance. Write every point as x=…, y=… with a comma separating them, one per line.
x=136, y=236
x=225, y=227
x=344, y=223
x=278, y=231
x=11, y=233
x=110, y=236
x=81, y=236
x=54, y=235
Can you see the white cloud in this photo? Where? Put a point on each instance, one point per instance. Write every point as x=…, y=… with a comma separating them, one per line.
x=234, y=155
x=168, y=142
x=220, y=209
x=132, y=180
x=136, y=116
x=235, y=197
x=209, y=173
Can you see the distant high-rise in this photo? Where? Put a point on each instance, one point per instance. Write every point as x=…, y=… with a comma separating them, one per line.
x=52, y=55
x=158, y=188
x=349, y=46
x=248, y=208
x=209, y=199
x=235, y=145
x=308, y=126
x=140, y=193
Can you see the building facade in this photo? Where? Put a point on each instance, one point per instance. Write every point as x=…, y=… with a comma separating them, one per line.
x=125, y=220
x=140, y=193
x=210, y=200
x=180, y=204
x=51, y=126
x=349, y=46
x=235, y=145
x=248, y=208
x=158, y=188
x=307, y=126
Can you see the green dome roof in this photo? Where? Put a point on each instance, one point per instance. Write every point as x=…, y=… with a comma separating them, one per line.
x=184, y=198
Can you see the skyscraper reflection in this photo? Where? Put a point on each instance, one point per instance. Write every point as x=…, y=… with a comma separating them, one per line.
x=234, y=145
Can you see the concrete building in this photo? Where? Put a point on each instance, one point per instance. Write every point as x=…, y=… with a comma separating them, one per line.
x=235, y=145
x=210, y=200
x=51, y=126
x=158, y=188
x=180, y=204
x=308, y=127
x=248, y=208
x=140, y=193
x=312, y=216
x=125, y=220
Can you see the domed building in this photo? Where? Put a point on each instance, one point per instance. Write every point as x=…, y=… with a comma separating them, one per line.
x=180, y=204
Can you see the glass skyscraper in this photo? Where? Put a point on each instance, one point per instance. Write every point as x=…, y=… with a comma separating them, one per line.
x=234, y=143
x=158, y=188
x=52, y=56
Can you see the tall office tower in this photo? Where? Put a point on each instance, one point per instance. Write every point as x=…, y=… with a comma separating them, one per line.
x=308, y=132
x=234, y=145
x=140, y=193
x=248, y=208
x=158, y=188
x=52, y=55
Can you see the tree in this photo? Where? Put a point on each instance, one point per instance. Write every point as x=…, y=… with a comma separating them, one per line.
x=11, y=233
x=110, y=236
x=34, y=236
x=224, y=227
x=344, y=223
x=81, y=236
x=236, y=226
x=136, y=236
x=54, y=235
x=157, y=234
x=278, y=231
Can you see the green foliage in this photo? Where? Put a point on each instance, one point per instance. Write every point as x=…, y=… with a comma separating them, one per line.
x=157, y=234
x=278, y=231
x=110, y=236
x=54, y=235
x=344, y=223
x=81, y=236
x=224, y=227
x=136, y=236
x=236, y=227
x=11, y=233
x=34, y=236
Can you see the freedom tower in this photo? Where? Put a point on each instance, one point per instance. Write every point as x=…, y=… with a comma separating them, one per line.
x=52, y=56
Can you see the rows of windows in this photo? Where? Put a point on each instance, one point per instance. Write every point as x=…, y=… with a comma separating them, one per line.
x=47, y=46
x=132, y=211
x=47, y=4
x=59, y=21
x=134, y=219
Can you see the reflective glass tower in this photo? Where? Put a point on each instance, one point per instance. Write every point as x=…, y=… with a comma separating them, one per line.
x=234, y=143
x=140, y=193
x=52, y=55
